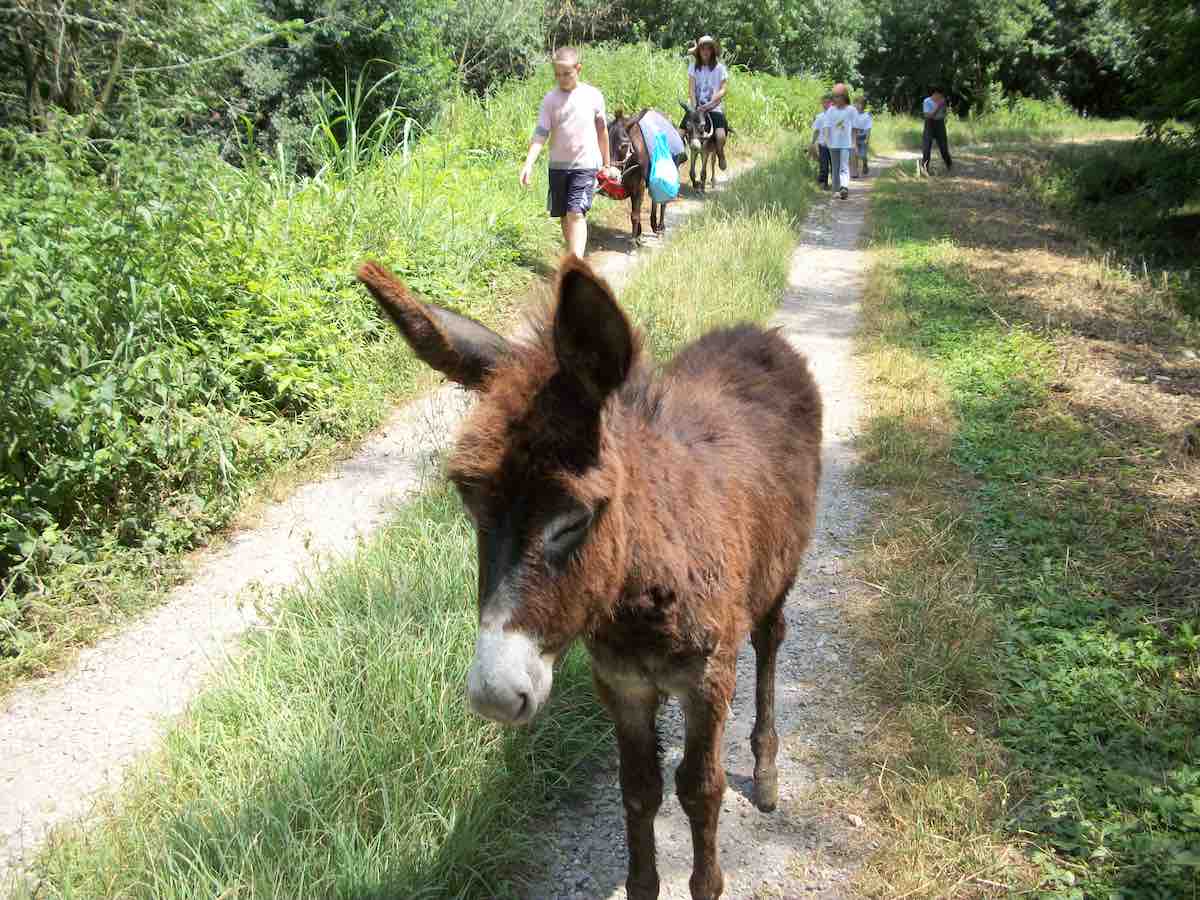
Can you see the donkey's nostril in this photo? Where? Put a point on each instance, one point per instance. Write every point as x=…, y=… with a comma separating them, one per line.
x=523, y=697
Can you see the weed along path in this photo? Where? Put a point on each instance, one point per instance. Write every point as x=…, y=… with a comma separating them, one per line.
x=802, y=849
x=68, y=738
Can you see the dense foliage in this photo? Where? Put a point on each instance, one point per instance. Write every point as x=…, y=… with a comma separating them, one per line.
x=174, y=326
x=1169, y=36
x=267, y=62
x=115, y=59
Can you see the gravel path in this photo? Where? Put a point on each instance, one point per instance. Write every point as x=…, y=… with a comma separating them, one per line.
x=800, y=850
x=66, y=738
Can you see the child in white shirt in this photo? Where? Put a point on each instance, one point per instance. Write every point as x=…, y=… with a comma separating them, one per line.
x=839, y=122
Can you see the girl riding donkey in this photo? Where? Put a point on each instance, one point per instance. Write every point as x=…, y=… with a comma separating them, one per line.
x=705, y=123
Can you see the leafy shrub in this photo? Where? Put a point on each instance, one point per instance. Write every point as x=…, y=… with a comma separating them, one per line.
x=1128, y=187
x=119, y=385
x=110, y=58
x=342, y=43
x=173, y=327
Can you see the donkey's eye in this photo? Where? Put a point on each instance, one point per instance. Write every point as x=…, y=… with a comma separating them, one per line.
x=565, y=533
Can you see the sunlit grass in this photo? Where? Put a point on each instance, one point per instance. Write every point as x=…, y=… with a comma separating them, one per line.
x=1043, y=690
x=890, y=132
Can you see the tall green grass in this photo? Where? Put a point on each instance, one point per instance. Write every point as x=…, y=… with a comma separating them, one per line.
x=177, y=329
x=336, y=756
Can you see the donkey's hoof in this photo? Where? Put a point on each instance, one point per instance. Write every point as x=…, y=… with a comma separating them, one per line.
x=766, y=790
x=709, y=886
x=642, y=890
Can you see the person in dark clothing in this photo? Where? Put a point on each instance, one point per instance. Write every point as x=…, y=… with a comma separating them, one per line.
x=934, y=109
x=818, y=143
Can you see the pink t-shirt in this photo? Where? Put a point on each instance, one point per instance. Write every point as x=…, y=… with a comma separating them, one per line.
x=569, y=119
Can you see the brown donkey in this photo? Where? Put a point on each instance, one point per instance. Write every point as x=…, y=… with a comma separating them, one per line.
x=661, y=518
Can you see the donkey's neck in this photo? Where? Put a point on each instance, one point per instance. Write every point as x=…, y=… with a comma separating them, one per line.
x=671, y=501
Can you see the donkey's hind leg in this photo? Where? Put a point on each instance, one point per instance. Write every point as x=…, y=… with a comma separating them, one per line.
x=658, y=217
x=764, y=739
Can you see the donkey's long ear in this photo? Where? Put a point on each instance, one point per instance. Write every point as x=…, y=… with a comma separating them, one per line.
x=460, y=348
x=592, y=337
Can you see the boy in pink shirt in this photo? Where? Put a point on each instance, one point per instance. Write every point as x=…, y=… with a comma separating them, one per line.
x=572, y=120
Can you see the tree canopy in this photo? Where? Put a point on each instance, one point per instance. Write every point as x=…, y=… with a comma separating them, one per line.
x=271, y=66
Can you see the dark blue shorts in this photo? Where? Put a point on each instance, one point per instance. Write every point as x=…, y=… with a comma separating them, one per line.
x=571, y=190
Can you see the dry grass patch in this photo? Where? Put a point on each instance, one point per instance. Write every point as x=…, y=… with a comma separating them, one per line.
x=1034, y=583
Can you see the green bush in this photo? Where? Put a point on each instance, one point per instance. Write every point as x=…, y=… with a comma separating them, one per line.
x=113, y=59
x=123, y=387
x=344, y=43
x=174, y=327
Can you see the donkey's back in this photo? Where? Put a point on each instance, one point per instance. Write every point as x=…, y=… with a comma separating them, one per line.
x=763, y=396
x=745, y=407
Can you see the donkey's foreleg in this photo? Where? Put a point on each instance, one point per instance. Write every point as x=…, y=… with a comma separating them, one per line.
x=658, y=217
x=700, y=778
x=764, y=739
x=635, y=213
x=633, y=714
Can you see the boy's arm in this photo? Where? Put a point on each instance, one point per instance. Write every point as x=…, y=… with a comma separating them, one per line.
x=535, y=148
x=601, y=118
x=540, y=133
x=602, y=139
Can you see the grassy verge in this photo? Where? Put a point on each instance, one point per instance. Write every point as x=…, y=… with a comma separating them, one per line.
x=335, y=757
x=1028, y=121
x=1139, y=200
x=1036, y=593
x=180, y=334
